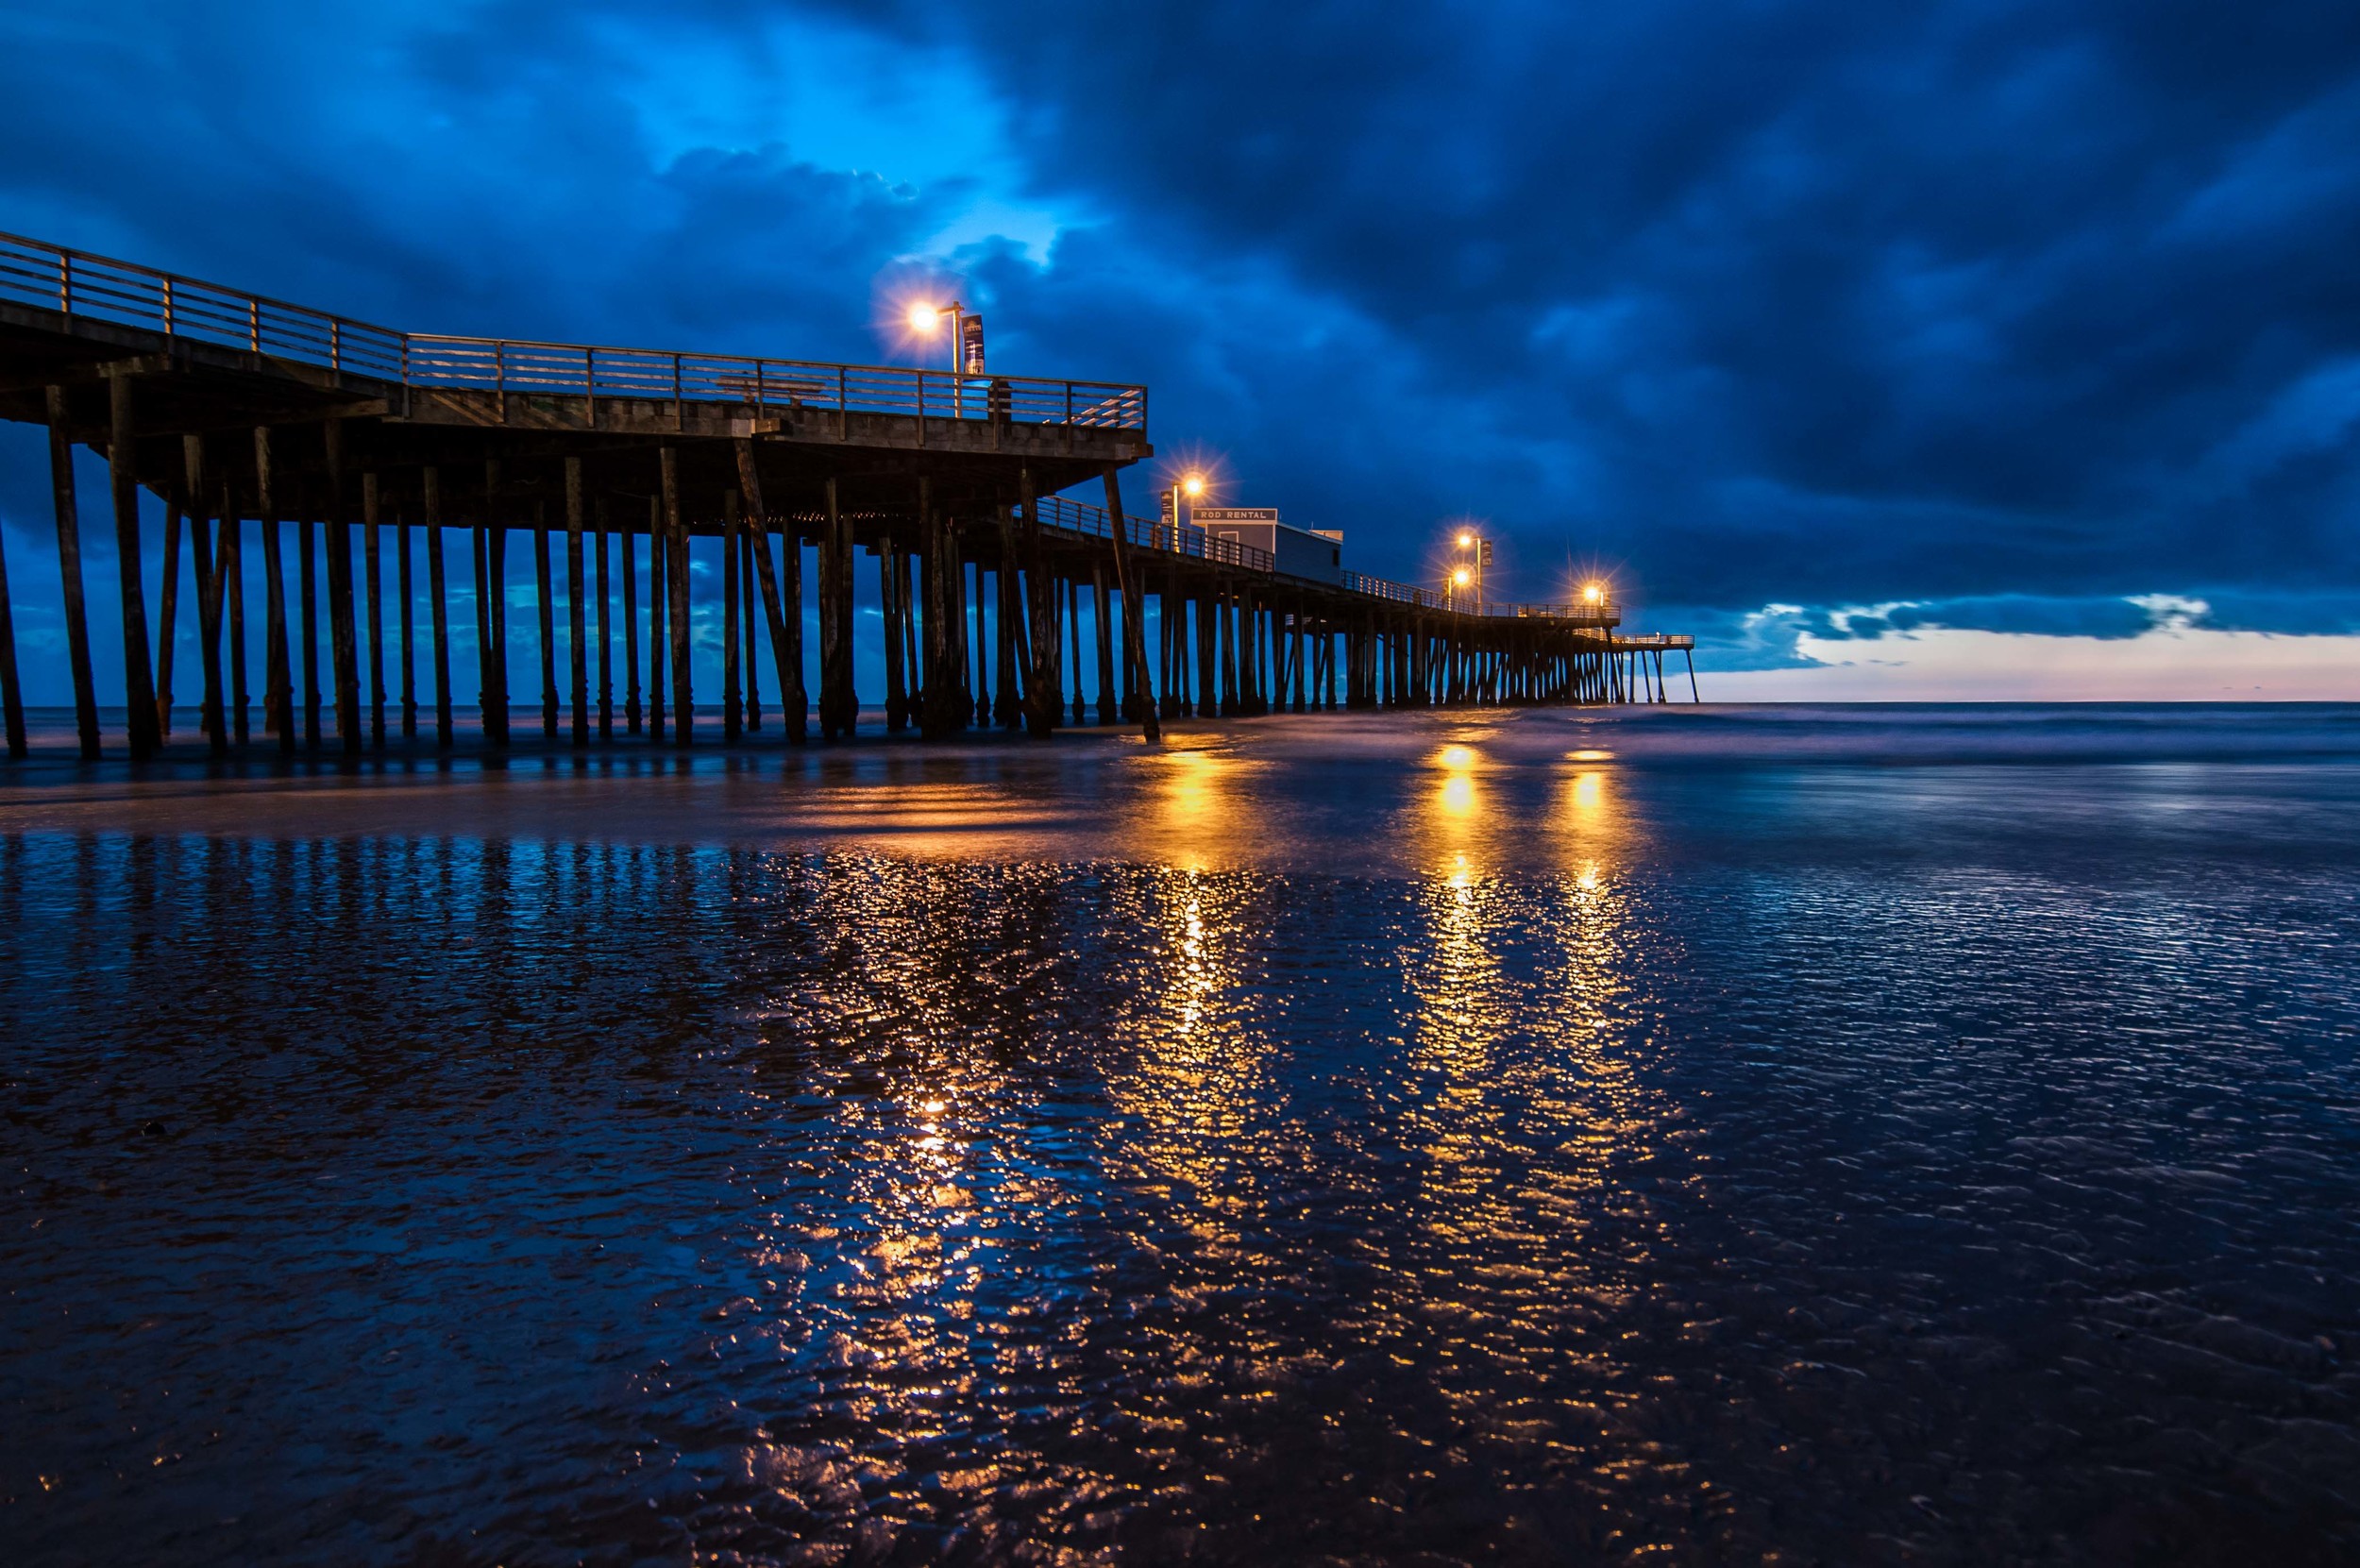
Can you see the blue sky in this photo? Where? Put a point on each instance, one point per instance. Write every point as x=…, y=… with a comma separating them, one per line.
x=1964, y=348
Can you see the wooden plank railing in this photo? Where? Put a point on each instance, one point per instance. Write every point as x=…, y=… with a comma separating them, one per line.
x=1187, y=540
x=76, y=283
x=1150, y=535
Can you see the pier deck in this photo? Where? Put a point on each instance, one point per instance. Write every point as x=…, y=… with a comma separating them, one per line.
x=316, y=437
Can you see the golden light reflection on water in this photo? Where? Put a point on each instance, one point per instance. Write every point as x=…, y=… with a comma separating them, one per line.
x=1192, y=1072
x=1196, y=810
x=1524, y=935
x=1512, y=930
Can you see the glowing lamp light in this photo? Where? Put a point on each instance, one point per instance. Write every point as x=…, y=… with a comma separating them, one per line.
x=1193, y=486
x=923, y=318
x=1466, y=541
x=1459, y=577
x=1592, y=593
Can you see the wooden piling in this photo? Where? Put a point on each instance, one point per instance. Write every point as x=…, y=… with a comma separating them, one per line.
x=1043, y=698
x=68, y=522
x=676, y=591
x=440, y=607
x=750, y=530
x=211, y=708
x=1004, y=618
x=342, y=640
x=630, y=633
x=977, y=643
x=1074, y=629
x=545, y=606
x=782, y=608
x=404, y=591
x=372, y=541
x=487, y=691
x=123, y=476
x=12, y=695
x=839, y=705
x=1103, y=628
x=371, y=585
x=167, y=618
x=277, y=670
x=1126, y=578
x=658, y=560
x=602, y=542
x=942, y=710
x=890, y=601
x=577, y=619
x=906, y=597
x=231, y=573
x=733, y=714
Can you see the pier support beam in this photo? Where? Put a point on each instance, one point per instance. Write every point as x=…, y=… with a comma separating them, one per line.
x=407, y=627
x=167, y=618
x=277, y=678
x=480, y=545
x=659, y=556
x=209, y=599
x=436, y=586
x=787, y=641
x=891, y=608
x=139, y=682
x=942, y=699
x=839, y=705
x=545, y=604
x=70, y=574
x=732, y=711
x=1133, y=634
x=601, y=544
x=12, y=695
x=747, y=534
x=372, y=541
x=342, y=642
x=630, y=633
x=675, y=596
x=1043, y=694
x=577, y=620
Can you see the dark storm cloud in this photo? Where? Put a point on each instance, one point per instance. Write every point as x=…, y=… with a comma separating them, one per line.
x=1815, y=299
x=1965, y=304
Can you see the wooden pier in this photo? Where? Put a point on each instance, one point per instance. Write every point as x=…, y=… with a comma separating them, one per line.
x=323, y=443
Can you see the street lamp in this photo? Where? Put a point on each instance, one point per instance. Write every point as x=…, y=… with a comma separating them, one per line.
x=1476, y=552
x=1191, y=485
x=1593, y=594
x=926, y=317
x=923, y=319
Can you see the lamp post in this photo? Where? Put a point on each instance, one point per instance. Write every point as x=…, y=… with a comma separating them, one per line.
x=1474, y=553
x=1190, y=485
x=923, y=319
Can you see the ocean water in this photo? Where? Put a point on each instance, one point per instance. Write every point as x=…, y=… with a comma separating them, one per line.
x=1913, y=1134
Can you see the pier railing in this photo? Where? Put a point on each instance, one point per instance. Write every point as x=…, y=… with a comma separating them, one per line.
x=1152, y=534
x=1188, y=539
x=1593, y=612
x=78, y=284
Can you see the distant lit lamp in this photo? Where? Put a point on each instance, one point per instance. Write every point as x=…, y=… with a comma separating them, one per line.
x=1191, y=485
x=1593, y=594
x=925, y=317
x=1478, y=552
